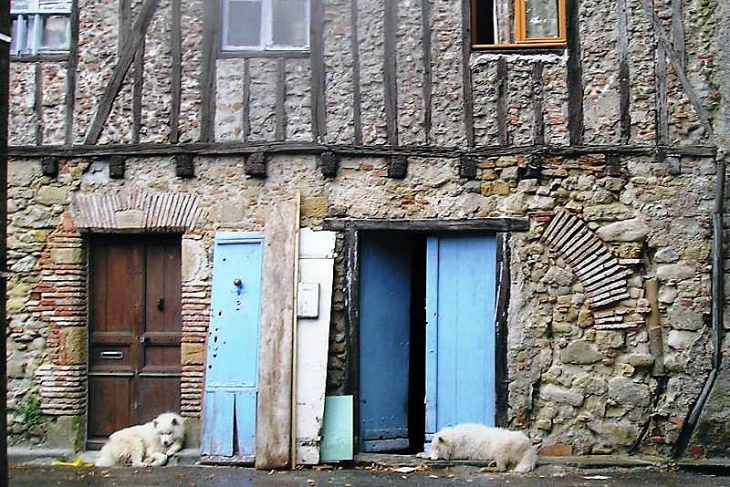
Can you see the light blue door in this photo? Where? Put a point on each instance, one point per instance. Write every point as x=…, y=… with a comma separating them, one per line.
x=231, y=373
x=385, y=297
x=460, y=330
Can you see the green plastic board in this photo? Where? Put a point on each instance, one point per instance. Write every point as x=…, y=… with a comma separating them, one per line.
x=337, y=429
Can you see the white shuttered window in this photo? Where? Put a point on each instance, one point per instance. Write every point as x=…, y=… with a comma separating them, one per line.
x=259, y=25
x=40, y=27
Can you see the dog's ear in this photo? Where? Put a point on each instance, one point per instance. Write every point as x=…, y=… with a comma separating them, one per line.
x=154, y=423
x=174, y=421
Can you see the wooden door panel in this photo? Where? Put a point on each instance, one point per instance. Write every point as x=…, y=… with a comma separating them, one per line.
x=109, y=401
x=460, y=355
x=163, y=287
x=231, y=376
x=158, y=395
x=385, y=297
x=135, y=330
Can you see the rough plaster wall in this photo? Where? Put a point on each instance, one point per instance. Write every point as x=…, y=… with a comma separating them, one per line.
x=484, y=86
x=22, y=121
x=263, y=99
x=555, y=103
x=192, y=53
x=229, y=100
x=600, y=71
x=298, y=102
x=449, y=127
x=370, y=35
x=97, y=51
x=338, y=60
x=54, y=102
x=157, y=90
x=520, y=120
x=409, y=69
x=641, y=54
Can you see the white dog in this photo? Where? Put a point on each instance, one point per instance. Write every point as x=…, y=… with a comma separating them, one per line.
x=145, y=445
x=482, y=443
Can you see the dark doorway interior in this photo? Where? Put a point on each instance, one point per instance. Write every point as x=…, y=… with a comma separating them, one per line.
x=392, y=342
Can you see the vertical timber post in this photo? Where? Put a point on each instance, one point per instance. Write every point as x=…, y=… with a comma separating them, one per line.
x=4, y=79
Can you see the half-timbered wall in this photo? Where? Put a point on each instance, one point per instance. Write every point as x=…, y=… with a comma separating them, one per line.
x=616, y=129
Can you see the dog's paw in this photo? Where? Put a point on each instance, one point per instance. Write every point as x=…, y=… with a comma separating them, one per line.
x=422, y=454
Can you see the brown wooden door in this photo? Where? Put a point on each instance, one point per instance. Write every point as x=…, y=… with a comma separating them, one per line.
x=134, y=372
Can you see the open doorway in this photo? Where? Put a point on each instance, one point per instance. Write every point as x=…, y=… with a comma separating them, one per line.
x=426, y=336
x=392, y=341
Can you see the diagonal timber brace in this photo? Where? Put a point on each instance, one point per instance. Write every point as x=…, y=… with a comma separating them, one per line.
x=129, y=49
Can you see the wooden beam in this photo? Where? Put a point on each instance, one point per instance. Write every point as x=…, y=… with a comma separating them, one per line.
x=280, y=130
x=466, y=81
x=678, y=65
x=356, y=96
x=624, y=76
x=137, y=92
x=208, y=75
x=319, y=109
x=176, y=72
x=5, y=28
x=503, y=297
x=662, y=99
x=450, y=152
x=427, y=71
x=273, y=410
x=390, y=81
x=120, y=70
x=502, y=101
x=429, y=225
x=538, y=97
x=73, y=61
x=575, y=74
x=38, y=104
x=246, y=99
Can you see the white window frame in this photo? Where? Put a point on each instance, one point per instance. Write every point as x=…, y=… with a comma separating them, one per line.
x=266, y=40
x=33, y=15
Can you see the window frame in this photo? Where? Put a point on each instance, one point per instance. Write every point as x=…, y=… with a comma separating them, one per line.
x=35, y=16
x=266, y=36
x=519, y=29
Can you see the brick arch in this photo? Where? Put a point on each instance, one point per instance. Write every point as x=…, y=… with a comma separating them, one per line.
x=599, y=271
x=135, y=211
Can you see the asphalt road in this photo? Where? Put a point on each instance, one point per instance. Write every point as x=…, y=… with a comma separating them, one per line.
x=462, y=476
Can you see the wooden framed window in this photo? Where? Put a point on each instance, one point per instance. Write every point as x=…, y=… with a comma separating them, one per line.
x=262, y=25
x=40, y=27
x=517, y=23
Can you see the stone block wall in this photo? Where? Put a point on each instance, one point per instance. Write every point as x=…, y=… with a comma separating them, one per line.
x=578, y=382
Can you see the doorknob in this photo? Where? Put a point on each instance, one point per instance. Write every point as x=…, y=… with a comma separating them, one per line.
x=237, y=282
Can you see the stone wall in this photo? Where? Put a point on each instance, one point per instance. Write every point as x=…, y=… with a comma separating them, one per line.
x=576, y=384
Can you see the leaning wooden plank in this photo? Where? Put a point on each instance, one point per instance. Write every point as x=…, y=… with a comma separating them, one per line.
x=273, y=411
x=120, y=70
x=316, y=264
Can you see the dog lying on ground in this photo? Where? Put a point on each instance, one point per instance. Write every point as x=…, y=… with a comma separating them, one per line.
x=482, y=443
x=145, y=445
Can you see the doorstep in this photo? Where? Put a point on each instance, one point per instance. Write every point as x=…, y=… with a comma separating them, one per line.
x=44, y=456
x=589, y=461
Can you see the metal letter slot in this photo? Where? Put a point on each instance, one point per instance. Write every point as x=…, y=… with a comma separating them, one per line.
x=112, y=355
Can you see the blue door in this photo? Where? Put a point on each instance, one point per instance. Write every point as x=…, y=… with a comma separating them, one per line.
x=460, y=330
x=231, y=377
x=385, y=296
